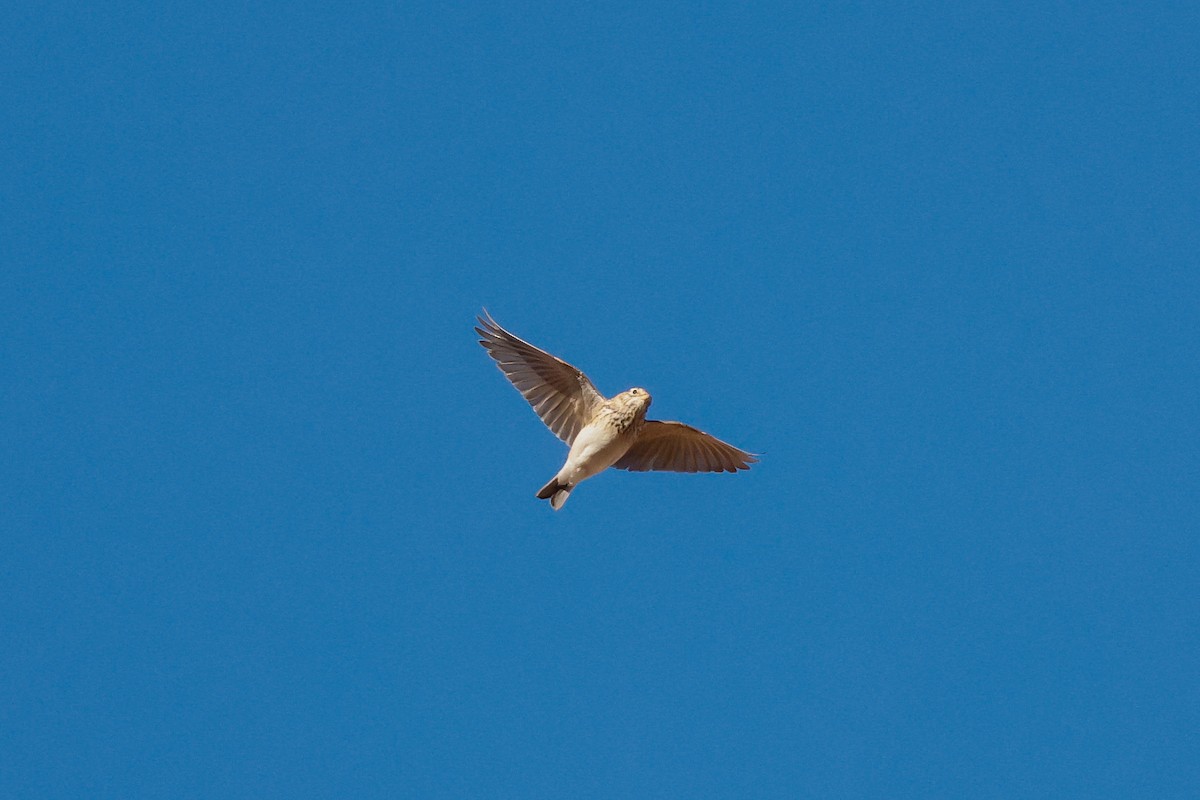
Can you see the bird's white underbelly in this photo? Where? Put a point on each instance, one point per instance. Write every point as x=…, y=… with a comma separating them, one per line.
x=595, y=449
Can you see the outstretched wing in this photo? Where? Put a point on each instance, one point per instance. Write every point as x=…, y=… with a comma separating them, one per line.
x=675, y=447
x=560, y=394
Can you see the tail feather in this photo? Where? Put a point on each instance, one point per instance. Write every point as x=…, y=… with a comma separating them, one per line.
x=556, y=492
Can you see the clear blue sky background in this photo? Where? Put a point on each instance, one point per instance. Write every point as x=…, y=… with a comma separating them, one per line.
x=267, y=508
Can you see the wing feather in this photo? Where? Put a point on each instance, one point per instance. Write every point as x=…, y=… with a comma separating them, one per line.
x=676, y=447
x=561, y=395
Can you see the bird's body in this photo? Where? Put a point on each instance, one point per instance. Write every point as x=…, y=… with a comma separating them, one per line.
x=600, y=443
x=602, y=432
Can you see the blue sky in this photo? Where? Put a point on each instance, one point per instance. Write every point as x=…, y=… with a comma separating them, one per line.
x=269, y=526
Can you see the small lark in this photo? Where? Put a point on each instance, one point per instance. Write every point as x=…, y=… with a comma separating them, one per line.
x=601, y=432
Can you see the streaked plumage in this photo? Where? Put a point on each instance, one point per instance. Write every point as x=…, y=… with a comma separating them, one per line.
x=601, y=433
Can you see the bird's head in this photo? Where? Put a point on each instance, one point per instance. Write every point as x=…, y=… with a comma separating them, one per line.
x=637, y=397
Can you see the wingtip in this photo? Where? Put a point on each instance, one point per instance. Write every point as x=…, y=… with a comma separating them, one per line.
x=487, y=327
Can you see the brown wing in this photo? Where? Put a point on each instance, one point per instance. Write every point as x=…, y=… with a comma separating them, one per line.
x=675, y=447
x=560, y=394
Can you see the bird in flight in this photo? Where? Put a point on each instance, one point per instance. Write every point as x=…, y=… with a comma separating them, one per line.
x=601, y=432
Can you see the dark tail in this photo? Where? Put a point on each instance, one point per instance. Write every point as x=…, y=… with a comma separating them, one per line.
x=556, y=492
